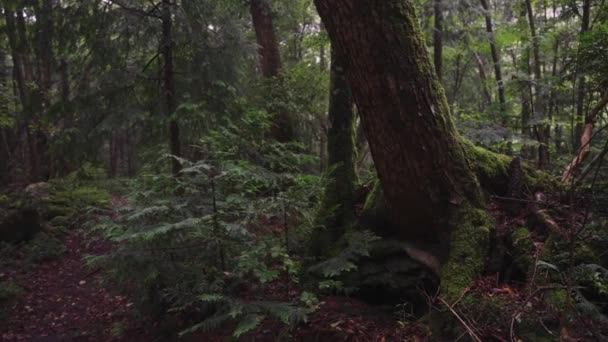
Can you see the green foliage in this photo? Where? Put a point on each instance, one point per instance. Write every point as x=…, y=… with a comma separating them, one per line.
x=43, y=247
x=332, y=270
x=247, y=314
x=186, y=244
x=70, y=201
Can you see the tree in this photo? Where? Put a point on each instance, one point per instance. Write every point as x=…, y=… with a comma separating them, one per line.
x=336, y=212
x=432, y=194
x=541, y=128
x=580, y=78
x=169, y=85
x=495, y=60
x=270, y=61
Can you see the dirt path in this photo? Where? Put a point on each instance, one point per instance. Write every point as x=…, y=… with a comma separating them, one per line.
x=64, y=301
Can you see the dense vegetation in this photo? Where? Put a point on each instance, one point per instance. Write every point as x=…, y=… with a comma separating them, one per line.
x=246, y=167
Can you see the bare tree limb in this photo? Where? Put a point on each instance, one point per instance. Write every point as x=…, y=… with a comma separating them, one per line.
x=585, y=139
x=137, y=11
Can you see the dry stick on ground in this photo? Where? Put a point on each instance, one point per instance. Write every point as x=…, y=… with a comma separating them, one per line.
x=585, y=138
x=464, y=324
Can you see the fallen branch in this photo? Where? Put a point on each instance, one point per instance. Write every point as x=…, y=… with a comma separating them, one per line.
x=464, y=324
x=585, y=139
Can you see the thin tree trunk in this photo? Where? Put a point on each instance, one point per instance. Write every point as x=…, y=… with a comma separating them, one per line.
x=541, y=128
x=169, y=86
x=580, y=79
x=483, y=79
x=496, y=61
x=322, y=116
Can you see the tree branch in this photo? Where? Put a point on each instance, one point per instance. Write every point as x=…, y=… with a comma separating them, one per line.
x=137, y=11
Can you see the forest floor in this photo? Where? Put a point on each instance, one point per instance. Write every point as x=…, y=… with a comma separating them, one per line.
x=64, y=300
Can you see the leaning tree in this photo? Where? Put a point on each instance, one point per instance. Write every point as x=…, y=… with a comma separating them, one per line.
x=431, y=178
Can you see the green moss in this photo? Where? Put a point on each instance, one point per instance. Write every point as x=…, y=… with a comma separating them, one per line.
x=492, y=169
x=523, y=250
x=469, y=247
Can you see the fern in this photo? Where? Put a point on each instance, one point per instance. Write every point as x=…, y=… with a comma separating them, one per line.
x=185, y=244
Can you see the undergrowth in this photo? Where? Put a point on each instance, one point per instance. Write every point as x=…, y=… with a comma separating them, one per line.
x=193, y=245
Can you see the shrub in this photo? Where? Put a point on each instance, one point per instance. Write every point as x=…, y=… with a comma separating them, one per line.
x=188, y=244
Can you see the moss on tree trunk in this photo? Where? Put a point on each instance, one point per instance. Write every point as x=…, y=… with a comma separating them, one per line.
x=431, y=178
x=336, y=212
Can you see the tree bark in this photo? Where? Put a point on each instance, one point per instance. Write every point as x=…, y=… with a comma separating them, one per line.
x=336, y=211
x=432, y=195
x=541, y=128
x=580, y=77
x=270, y=63
x=169, y=86
x=438, y=38
x=268, y=48
x=496, y=61
x=483, y=79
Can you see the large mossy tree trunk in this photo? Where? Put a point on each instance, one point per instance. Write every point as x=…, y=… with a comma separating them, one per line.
x=433, y=198
x=336, y=212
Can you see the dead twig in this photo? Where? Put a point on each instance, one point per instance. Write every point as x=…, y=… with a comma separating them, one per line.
x=464, y=324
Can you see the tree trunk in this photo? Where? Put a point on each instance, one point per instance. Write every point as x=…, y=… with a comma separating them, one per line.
x=322, y=120
x=496, y=61
x=580, y=78
x=336, y=212
x=169, y=86
x=433, y=197
x=483, y=79
x=270, y=62
x=541, y=128
x=438, y=38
